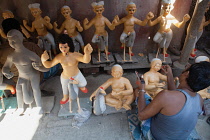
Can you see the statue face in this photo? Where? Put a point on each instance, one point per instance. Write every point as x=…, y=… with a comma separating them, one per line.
x=66, y=12
x=156, y=65
x=167, y=7
x=131, y=9
x=116, y=72
x=64, y=48
x=7, y=15
x=99, y=10
x=207, y=8
x=35, y=12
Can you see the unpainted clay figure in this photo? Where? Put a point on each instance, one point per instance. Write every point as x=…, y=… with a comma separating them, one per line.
x=200, y=32
x=153, y=84
x=128, y=36
x=71, y=78
x=122, y=91
x=8, y=14
x=70, y=25
x=100, y=22
x=28, y=65
x=41, y=25
x=164, y=35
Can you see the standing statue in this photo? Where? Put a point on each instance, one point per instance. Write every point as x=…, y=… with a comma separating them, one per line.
x=28, y=65
x=128, y=36
x=70, y=25
x=40, y=25
x=200, y=32
x=100, y=22
x=164, y=35
x=8, y=14
x=71, y=78
x=152, y=78
x=122, y=91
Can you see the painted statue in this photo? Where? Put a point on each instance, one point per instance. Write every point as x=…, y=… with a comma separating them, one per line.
x=200, y=32
x=28, y=64
x=71, y=78
x=41, y=25
x=100, y=22
x=70, y=25
x=152, y=78
x=8, y=14
x=128, y=36
x=164, y=35
x=122, y=91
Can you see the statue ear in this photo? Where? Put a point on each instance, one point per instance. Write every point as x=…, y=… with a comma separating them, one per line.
x=70, y=11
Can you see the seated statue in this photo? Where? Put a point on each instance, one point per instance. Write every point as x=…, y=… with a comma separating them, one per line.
x=122, y=92
x=164, y=35
x=71, y=78
x=70, y=25
x=41, y=25
x=28, y=65
x=152, y=78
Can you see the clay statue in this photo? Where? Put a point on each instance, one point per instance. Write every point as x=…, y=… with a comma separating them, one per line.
x=122, y=92
x=70, y=25
x=8, y=14
x=41, y=25
x=164, y=35
x=152, y=78
x=200, y=32
x=28, y=65
x=100, y=22
x=128, y=36
x=71, y=78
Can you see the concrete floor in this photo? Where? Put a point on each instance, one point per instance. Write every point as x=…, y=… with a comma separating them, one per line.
x=52, y=127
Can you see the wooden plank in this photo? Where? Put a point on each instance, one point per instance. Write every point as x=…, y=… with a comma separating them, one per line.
x=103, y=58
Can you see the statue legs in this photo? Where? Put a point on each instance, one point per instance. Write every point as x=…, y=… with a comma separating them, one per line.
x=113, y=102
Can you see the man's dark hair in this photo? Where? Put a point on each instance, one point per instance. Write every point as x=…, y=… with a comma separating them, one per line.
x=9, y=24
x=64, y=38
x=199, y=76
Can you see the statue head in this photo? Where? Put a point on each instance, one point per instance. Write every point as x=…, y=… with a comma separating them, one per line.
x=131, y=8
x=7, y=14
x=66, y=11
x=201, y=58
x=65, y=43
x=35, y=9
x=167, y=6
x=117, y=71
x=156, y=64
x=14, y=37
x=98, y=7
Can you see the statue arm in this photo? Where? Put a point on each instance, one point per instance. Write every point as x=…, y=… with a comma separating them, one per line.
x=25, y=32
x=109, y=24
x=37, y=64
x=129, y=88
x=49, y=64
x=206, y=23
x=181, y=24
x=154, y=22
x=141, y=23
x=6, y=68
x=87, y=54
x=47, y=22
x=79, y=27
x=30, y=29
x=57, y=30
x=88, y=24
x=3, y=34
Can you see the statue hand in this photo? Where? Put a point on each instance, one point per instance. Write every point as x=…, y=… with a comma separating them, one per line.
x=55, y=25
x=36, y=65
x=88, y=49
x=186, y=18
x=44, y=56
x=117, y=18
x=24, y=22
x=8, y=75
x=150, y=15
x=47, y=19
x=85, y=21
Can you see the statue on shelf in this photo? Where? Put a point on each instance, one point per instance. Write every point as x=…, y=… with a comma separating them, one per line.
x=8, y=14
x=200, y=32
x=164, y=35
x=70, y=25
x=100, y=22
x=28, y=65
x=127, y=38
x=71, y=78
x=41, y=25
x=122, y=91
x=152, y=78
